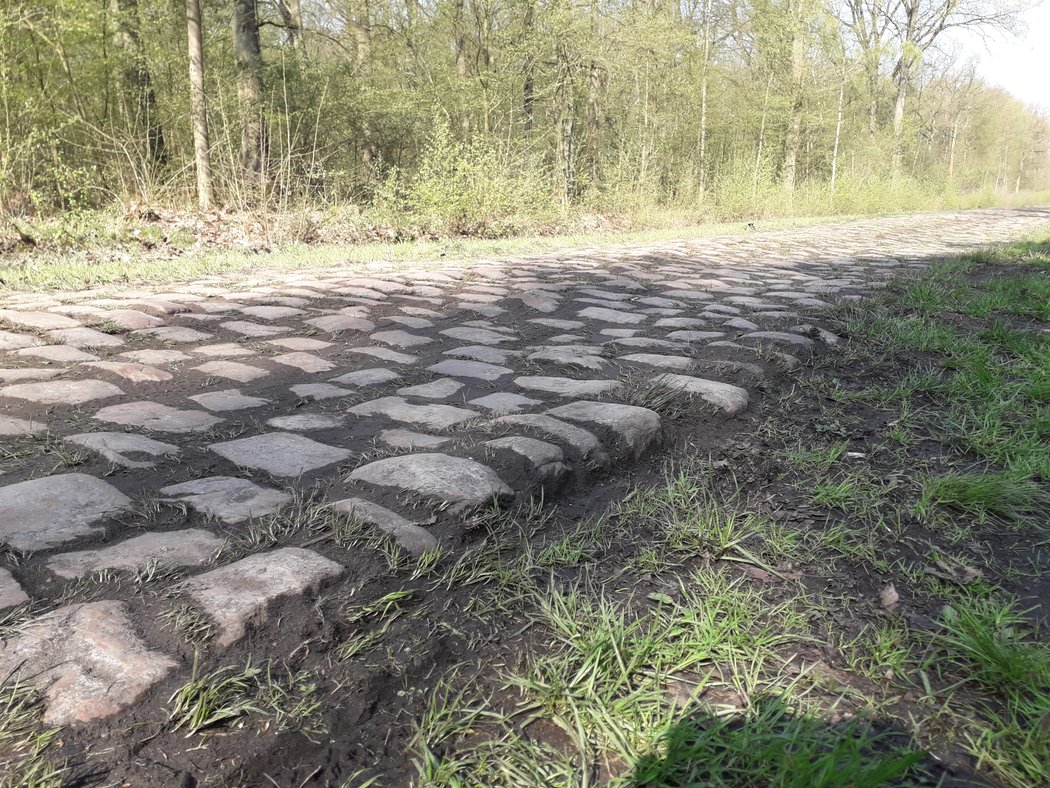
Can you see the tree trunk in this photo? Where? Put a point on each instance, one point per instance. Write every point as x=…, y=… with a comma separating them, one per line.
x=793, y=136
x=137, y=82
x=199, y=105
x=951, y=148
x=361, y=27
x=903, y=76
x=838, y=127
x=761, y=136
x=595, y=89
x=706, y=49
x=566, y=137
x=528, y=87
x=250, y=94
x=292, y=19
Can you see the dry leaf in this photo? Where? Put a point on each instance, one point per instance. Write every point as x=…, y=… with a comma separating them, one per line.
x=954, y=572
x=888, y=596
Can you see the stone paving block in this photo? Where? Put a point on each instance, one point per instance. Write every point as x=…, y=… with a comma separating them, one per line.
x=731, y=399
x=477, y=370
x=115, y=446
x=189, y=547
x=490, y=355
x=178, y=334
x=280, y=453
x=612, y=315
x=86, y=659
x=224, y=350
x=85, y=337
x=131, y=319
x=659, y=360
x=249, y=329
x=62, y=392
x=306, y=362
x=28, y=373
x=545, y=459
x=402, y=339
x=385, y=354
x=407, y=439
x=39, y=321
x=135, y=373
x=437, y=389
x=232, y=370
x=375, y=376
x=227, y=400
x=582, y=356
x=9, y=340
x=42, y=513
x=153, y=357
x=409, y=322
x=154, y=416
x=228, y=498
x=11, y=592
x=413, y=538
x=270, y=312
x=319, y=391
x=481, y=336
x=438, y=417
x=453, y=479
x=238, y=595
x=504, y=402
x=566, y=387
x=781, y=338
x=580, y=440
x=336, y=324
x=638, y=428
x=299, y=343
x=60, y=353
x=9, y=425
x=305, y=422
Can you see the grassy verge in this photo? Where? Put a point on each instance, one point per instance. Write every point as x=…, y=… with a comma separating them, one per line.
x=864, y=616
x=119, y=262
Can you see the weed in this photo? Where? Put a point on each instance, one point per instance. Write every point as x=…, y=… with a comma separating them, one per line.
x=26, y=758
x=1001, y=496
x=214, y=698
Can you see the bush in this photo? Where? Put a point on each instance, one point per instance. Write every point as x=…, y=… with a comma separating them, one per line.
x=472, y=187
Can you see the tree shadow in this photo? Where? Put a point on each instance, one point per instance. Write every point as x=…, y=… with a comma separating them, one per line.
x=774, y=745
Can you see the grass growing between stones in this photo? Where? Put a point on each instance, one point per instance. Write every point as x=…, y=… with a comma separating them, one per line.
x=27, y=747
x=856, y=603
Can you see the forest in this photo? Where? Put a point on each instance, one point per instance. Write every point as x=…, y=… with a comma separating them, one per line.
x=482, y=116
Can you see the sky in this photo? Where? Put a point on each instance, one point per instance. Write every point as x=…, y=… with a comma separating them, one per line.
x=1020, y=63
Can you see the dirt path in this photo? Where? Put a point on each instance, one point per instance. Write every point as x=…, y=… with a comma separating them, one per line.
x=161, y=440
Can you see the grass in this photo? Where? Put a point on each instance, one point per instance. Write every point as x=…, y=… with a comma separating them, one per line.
x=992, y=645
x=228, y=695
x=986, y=495
x=771, y=745
x=27, y=759
x=73, y=270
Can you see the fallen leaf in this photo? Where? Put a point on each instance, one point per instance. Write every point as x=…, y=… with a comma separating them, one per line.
x=954, y=572
x=888, y=596
x=761, y=575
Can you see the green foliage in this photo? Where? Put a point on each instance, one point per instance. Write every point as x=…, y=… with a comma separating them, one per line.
x=770, y=745
x=475, y=187
x=610, y=100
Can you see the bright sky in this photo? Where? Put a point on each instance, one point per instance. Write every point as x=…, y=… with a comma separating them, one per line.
x=1020, y=63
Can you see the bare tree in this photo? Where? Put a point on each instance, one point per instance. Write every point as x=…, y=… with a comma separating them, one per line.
x=199, y=105
x=137, y=82
x=250, y=94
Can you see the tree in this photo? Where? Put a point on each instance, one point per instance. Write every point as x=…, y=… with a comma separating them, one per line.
x=199, y=105
x=140, y=98
x=248, y=53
